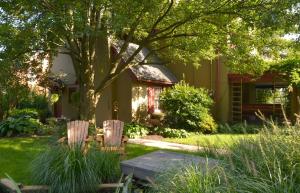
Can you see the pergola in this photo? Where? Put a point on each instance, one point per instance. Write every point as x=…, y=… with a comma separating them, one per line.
x=242, y=110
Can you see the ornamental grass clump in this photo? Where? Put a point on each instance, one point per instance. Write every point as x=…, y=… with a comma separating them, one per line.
x=190, y=179
x=70, y=170
x=268, y=163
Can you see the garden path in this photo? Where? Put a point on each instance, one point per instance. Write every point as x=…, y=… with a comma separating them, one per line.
x=148, y=166
x=171, y=146
x=165, y=145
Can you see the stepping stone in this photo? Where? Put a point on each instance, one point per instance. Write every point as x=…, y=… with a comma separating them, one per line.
x=147, y=166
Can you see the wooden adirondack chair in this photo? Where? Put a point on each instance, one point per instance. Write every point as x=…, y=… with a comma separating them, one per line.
x=112, y=138
x=77, y=133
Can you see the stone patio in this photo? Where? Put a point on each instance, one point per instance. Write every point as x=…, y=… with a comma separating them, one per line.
x=147, y=166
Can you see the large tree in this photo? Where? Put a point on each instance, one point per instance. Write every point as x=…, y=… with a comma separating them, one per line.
x=187, y=30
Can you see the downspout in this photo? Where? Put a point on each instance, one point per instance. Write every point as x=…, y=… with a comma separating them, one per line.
x=211, y=74
x=217, y=87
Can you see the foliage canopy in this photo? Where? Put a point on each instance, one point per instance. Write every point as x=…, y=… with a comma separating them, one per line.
x=186, y=31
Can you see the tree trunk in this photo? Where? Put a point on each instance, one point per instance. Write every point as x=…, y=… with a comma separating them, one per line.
x=87, y=105
x=95, y=71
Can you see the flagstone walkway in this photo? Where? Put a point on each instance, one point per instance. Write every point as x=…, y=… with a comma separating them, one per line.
x=171, y=146
x=165, y=145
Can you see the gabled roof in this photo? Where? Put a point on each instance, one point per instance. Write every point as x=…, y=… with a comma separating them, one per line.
x=153, y=73
x=142, y=56
x=149, y=68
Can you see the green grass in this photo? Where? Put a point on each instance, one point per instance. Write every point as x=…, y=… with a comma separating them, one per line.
x=216, y=140
x=134, y=150
x=16, y=155
x=266, y=163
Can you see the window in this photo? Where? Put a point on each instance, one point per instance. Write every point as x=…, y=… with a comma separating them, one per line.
x=153, y=99
x=264, y=95
x=71, y=94
x=272, y=96
x=157, y=91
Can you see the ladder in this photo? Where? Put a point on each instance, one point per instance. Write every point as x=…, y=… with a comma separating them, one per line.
x=277, y=109
x=237, y=101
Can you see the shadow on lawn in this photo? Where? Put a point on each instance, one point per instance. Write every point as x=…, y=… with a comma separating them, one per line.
x=16, y=155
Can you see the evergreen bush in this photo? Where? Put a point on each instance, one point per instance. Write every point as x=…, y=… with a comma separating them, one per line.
x=20, y=126
x=170, y=132
x=188, y=107
x=134, y=130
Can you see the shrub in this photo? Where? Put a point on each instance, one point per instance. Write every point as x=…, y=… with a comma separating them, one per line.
x=27, y=112
x=22, y=125
x=239, y=128
x=188, y=107
x=207, y=123
x=38, y=102
x=171, y=133
x=70, y=170
x=134, y=130
x=58, y=127
x=269, y=163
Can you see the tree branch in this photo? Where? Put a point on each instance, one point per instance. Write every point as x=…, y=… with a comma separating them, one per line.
x=111, y=77
x=160, y=18
x=124, y=47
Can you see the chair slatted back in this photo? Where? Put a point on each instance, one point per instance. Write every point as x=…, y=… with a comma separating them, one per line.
x=77, y=132
x=113, y=131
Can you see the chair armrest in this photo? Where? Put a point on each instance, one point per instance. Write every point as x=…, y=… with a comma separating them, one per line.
x=99, y=137
x=89, y=139
x=61, y=140
x=124, y=139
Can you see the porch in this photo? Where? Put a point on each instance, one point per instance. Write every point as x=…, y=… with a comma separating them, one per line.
x=268, y=94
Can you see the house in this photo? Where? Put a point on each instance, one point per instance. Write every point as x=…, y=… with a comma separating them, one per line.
x=131, y=97
x=134, y=95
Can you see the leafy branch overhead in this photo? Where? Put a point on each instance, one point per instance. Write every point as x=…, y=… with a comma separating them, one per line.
x=177, y=30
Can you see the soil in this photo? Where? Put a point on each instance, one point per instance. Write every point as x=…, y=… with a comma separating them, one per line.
x=153, y=137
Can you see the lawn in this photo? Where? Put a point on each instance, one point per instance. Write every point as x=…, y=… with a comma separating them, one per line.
x=216, y=140
x=16, y=155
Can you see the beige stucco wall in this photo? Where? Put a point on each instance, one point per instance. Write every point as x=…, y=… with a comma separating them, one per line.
x=139, y=102
x=68, y=110
x=122, y=96
x=104, y=107
x=222, y=110
x=197, y=76
x=62, y=67
x=206, y=76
